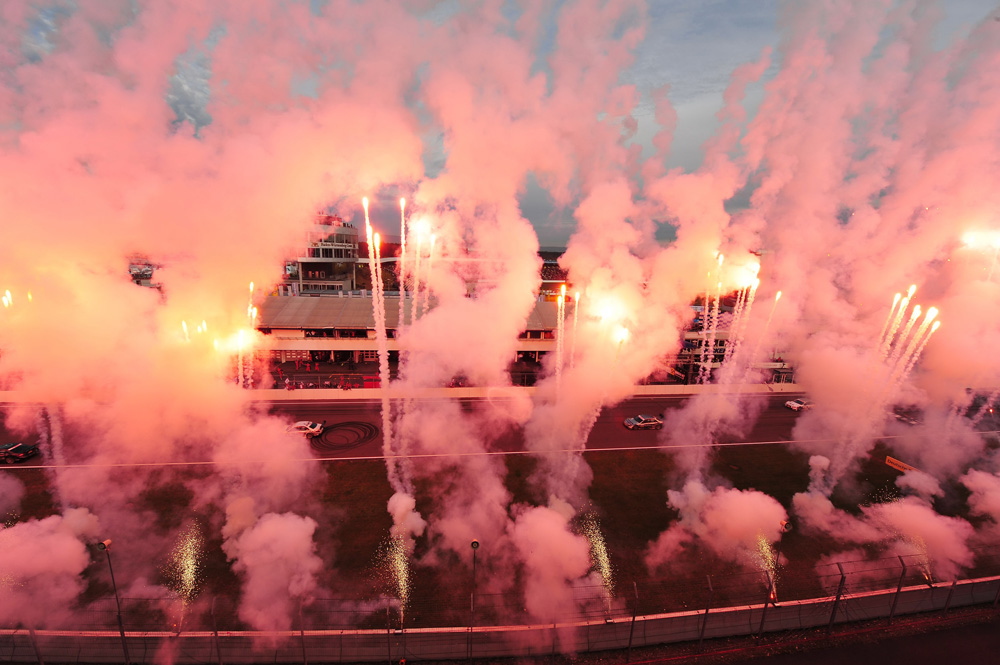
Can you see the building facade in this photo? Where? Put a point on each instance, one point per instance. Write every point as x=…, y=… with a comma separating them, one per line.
x=328, y=264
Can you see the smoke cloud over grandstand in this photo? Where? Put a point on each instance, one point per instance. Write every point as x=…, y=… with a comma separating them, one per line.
x=855, y=157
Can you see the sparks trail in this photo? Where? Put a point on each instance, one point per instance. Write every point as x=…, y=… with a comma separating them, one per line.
x=576, y=318
x=590, y=527
x=560, y=333
x=397, y=478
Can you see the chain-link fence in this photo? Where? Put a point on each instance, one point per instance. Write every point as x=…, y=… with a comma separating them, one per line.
x=587, y=603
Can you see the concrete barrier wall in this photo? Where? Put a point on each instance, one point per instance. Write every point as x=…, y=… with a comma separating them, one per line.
x=50, y=646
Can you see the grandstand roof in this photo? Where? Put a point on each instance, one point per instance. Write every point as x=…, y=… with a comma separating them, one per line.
x=351, y=311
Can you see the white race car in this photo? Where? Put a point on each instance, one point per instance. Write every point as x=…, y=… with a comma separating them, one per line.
x=306, y=427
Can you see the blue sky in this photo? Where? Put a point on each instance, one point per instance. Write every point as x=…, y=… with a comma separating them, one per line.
x=694, y=48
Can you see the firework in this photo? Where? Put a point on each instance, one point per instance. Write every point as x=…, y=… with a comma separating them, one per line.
x=591, y=528
x=884, y=495
x=560, y=328
x=576, y=312
x=184, y=569
x=393, y=566
x=896, y=321
x=888, y=320
x=430, y=270
x=923, y=560
x=768, y=560
x=402, y=264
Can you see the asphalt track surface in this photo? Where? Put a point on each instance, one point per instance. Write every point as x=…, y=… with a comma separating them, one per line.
x=354, y=431
x=342, y=416
x=353, y=427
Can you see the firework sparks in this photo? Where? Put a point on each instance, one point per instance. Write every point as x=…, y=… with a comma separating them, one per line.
x=768, y=561
x=923, y=559
x=591, y=529
x=393, y=565
x=184, y=570
x=884, y=495
x=9, y=581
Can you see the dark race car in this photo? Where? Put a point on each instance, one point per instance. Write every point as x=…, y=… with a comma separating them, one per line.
x=643, y=422
x=16, y=452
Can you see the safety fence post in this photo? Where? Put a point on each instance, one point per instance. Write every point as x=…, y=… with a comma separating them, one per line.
x=836, y=602
x=388, y=636
x=34, y=645
x=767, y=601
x=302, y=635
x=215, y=633
x=708, y=606
x=899, y=588
x=947, y=602
x=631, y=630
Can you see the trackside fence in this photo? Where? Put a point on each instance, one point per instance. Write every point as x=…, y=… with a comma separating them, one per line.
x=339, y=630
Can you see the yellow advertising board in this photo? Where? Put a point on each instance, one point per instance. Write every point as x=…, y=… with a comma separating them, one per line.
x=896, y=464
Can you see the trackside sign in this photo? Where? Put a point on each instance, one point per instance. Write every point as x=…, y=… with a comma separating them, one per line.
x=896, y=464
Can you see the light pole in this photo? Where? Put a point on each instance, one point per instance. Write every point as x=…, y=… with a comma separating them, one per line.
x=106, y=546
x=786, y=526
x=772, y=575
x=475, y=546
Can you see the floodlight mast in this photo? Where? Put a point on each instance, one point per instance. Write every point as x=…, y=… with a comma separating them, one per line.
x=105, y=545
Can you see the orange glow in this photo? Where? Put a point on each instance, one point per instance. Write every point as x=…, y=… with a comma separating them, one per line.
x=421, y=227
x=981, y=239
x=238, y=342
x=610, y=310
x=621, y=334
x=377, y=239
